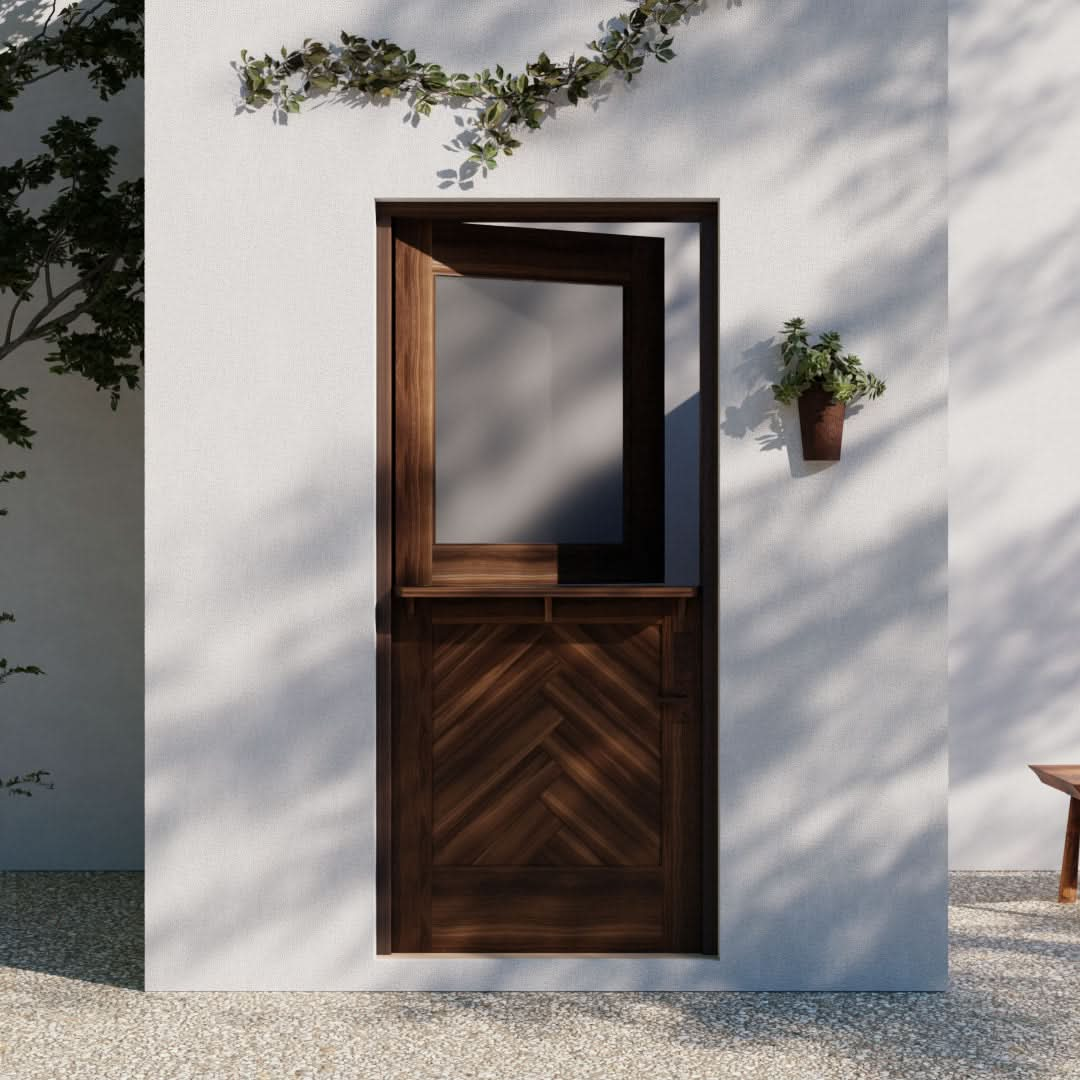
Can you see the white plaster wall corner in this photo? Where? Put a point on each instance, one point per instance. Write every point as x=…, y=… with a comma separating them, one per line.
x=1014, y=533
x=260, y=728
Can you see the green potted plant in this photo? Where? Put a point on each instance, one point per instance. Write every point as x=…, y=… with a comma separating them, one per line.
x=824, y=380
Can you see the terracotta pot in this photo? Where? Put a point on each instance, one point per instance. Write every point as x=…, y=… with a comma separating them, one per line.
x=822, y=422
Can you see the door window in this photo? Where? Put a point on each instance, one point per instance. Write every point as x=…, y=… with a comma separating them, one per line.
x=528, y=412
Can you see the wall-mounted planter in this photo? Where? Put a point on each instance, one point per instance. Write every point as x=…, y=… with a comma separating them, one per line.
x=822, y=422
x=815, y=376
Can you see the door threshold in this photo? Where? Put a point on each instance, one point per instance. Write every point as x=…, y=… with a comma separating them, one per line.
x=544, y=956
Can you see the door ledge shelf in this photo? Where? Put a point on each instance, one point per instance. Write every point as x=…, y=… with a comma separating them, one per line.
x=460, y=592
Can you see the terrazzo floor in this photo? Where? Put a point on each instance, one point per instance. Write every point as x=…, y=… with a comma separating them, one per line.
x=71, y=1008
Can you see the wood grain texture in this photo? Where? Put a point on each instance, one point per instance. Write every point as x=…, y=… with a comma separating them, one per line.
x=531, y=254
x=544, y=608
x=542, y=210
x=709, y=569
x=515, y=759
x=547, y=909
x=627, y=592
x=1070, y=858
x=414, y=403
x=384, y=576
x=550, y=753
x=494, y=564
x=546, y=790
x=633, y=263
x=412, y=783
x=1065, y=778
x=683, y=770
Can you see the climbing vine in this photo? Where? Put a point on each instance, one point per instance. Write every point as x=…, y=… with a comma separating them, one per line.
x=505, y=103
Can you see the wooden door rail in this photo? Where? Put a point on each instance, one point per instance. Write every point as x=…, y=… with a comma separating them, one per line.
x=653, y=601
x=516, y=592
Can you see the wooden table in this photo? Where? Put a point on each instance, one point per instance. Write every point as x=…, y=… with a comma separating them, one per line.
x=1066, y=778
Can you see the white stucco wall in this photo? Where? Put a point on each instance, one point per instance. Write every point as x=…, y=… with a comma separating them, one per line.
x=71, y=565
x=75, y=524
x=1014, y=409
x=820, y=128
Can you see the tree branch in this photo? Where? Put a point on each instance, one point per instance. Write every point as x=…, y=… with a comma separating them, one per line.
x=35, y=331
x=43, y=75
x=82, y=285
x=45, y=26
x=11, y=321
x=84, y=25
x=83, y=15
x=43, y=264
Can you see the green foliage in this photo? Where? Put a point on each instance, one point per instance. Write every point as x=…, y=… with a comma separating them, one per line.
x=104, y=39
x=505, y=103
x=90, y=237
x=71, y=241
x=13, y=426
x=824, y=365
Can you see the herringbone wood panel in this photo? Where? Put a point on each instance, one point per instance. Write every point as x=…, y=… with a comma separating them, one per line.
x=546, y=745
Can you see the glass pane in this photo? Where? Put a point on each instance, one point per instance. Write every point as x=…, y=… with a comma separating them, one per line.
x=528, y=412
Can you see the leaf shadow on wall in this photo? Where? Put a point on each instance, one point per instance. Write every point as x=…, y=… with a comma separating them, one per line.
x=83, y=925
x=299, y=566
x=463, y=176
x=301, y=814
x=20, y=19
x=1014, y=304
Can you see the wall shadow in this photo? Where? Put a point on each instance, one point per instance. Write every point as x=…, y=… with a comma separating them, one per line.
x=832, y=643
x=1014, y=321
x=82, y=925
x=298, y=690
x=20, y=19
x=989, y=1020
x=74, y=540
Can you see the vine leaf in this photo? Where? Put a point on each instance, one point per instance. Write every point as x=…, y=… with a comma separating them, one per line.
x=505, y=104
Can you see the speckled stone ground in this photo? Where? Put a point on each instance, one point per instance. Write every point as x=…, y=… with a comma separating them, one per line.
x=71, y=1008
